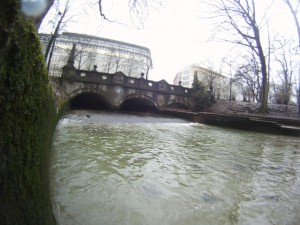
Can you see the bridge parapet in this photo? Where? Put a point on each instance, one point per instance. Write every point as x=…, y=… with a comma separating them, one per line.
x=121, y=79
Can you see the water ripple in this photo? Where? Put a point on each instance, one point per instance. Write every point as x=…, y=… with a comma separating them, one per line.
x=126, y=169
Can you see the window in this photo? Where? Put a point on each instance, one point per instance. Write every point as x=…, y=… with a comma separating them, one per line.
x=186, y=72
x=185, y=78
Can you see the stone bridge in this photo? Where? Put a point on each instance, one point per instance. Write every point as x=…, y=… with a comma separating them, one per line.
x=96, y=90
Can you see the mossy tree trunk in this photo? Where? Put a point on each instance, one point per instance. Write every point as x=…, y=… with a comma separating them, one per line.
x=27, y=122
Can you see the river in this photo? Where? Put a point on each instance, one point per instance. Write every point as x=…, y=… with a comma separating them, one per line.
x=121, y=169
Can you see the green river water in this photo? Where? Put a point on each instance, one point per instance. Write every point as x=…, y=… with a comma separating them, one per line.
x=120, y=169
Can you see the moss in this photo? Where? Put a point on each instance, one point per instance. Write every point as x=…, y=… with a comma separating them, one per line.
x=27, y=122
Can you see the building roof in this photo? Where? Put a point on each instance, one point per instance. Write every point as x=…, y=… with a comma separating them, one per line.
x=198, y=67
x=74, y=35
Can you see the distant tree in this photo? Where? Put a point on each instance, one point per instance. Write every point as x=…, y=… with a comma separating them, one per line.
x=130, y=64
x=195, y=84
x=117, y=58
x=110, y=60
x=80, y=60
x=55, y=68
x=210, y=78
x=84, y=57
x=249, y=77
x=294, y=7
x=201, y=97
x=148, y=66
x=284, y=57
x=90, y=60
x=213, y=80
x=247, y=93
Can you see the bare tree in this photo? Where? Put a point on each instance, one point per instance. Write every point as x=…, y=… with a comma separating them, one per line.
x=145, y=66
x=84, y=59
x=110, y=60
x=248, y=76
x=210, y=78
x=130, y=64
x=81, y=62
x=60, y=24
x=294, y=8
x=90, y=60
x=60, y=56
x=117, y=58
x=284, y=57
x=241, y=15
x=83, y=56
x=137, y=8
x=213, y=79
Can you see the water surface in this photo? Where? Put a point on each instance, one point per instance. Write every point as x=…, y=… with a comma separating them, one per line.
x=109, y=168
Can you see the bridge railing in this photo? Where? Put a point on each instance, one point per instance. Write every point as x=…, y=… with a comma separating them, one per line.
x=121, y=79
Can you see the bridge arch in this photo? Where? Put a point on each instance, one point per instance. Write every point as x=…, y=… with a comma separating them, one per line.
x=138, y=102
x=119, y=91
x=89, y=99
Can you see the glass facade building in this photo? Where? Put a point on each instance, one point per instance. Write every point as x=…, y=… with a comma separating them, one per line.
x=108, y=55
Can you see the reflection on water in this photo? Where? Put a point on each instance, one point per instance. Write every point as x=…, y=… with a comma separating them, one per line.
x=125, y=169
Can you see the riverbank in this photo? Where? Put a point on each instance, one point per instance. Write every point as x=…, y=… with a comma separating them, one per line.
x=241, y=115
x=251, y=109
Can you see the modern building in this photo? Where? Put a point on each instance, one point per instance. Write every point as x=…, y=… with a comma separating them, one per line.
x=214, y=82
x=108, y=55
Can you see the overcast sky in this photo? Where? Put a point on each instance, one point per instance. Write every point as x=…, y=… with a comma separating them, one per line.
x=177, y=32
